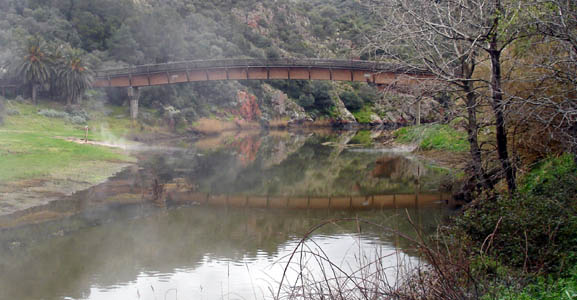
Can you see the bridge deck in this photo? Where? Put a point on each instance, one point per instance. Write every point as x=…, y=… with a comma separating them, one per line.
x=259, y=69
x=255, y=69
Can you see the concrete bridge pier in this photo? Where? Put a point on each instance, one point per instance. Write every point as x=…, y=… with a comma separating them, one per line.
x=133, y=95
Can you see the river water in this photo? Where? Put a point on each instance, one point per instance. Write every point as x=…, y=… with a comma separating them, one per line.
x=220, y=218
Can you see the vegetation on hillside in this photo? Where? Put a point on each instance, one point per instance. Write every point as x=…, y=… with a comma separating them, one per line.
x=65, y=40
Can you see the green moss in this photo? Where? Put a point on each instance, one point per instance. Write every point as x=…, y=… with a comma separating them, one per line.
x=434, y=137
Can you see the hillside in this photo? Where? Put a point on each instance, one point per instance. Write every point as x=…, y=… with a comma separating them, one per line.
x=127, y=32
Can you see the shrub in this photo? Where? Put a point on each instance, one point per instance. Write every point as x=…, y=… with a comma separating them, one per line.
x=78, y=113
x=369, y=94
x=50, y=113
x=547, y=288
x=306, y=100
x=537, y=228
x=351, y=100
x=12, y=112
x=78, y=120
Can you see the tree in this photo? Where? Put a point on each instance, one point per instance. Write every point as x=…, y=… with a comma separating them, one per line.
x=420, y=34
x=551, y=101
x=73, y=75
x=2, y=112
x=35, y=64
x=449, y=38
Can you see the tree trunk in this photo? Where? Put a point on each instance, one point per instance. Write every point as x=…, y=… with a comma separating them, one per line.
x=497, y=105
x=68, y=100
x=418, y=119
x=133, y=95
x=1, y=110
x=472, y=133
x=34, y=93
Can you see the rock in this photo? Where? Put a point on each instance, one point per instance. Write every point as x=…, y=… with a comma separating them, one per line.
x=343, y=114
x=375, y=119
x=248, y=106
x=402, y=109
x=282, y=107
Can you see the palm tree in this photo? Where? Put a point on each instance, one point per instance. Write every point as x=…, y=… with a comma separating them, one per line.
x=35, y=65
x=73, y=75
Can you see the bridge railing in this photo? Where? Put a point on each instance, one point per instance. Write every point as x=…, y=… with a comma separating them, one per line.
x=255, y=63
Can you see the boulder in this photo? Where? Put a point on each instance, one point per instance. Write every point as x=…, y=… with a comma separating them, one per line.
x=375, y=119
x=343, y=114
x=281, y=106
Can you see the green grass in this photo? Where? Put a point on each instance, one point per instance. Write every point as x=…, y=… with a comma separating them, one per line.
x=29, y=120
x=33, y=146
x=363, y=116
x=433, y=137
x=544, y=288
x=362, y=137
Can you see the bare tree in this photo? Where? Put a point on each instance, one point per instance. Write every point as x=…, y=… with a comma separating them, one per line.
x=550, y=98
x=451, y=37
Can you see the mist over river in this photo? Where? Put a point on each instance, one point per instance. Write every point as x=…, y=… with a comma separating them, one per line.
x=219, y=217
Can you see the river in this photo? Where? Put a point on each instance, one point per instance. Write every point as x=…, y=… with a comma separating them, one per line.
x=220, y=217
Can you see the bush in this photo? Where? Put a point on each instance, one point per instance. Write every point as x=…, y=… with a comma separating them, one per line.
x=537, y=228
x=12, y=112
x=74, y=112
x=547, y=288
x=306, y=101
x=369, y=94
x=78, y=120
x=50, y=113
x=351, y=100
x=272, y=53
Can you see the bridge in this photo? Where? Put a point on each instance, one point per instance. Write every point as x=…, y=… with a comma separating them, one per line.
x=259, y=69
x=379, y=73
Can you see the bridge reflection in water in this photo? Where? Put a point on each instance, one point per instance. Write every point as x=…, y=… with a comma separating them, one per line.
x=337, y=202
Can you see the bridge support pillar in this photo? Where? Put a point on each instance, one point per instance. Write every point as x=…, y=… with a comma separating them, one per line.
x=418, y=118
x=133, y=95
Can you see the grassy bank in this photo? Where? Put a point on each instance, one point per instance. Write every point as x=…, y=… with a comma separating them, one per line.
x=532, y=235
x=433, y=137
x=34, y=146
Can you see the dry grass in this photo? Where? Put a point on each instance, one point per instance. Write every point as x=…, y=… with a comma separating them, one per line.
x=214, y=126
x=279, y=123
x=442, y=272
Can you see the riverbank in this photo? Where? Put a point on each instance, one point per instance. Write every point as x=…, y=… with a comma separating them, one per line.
x=39, y=164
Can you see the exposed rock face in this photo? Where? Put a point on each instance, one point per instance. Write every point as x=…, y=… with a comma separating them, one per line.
x=343, y=114
x=248, y=106
x=281, y=106
x=375, y=119
x=403, y=109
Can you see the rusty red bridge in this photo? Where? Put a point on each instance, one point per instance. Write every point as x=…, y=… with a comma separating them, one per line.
x=379, y=73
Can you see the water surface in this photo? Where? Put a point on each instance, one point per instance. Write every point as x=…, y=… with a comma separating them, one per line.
x=218, y=218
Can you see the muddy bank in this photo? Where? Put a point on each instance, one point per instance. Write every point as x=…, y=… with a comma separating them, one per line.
x=26, y=193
